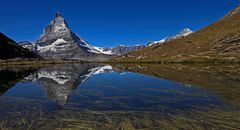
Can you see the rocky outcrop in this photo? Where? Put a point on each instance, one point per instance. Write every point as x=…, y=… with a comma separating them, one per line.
x=9, y=49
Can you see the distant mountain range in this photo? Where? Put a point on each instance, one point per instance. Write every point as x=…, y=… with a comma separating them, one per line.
x=120, y=49
x=185, y=32
x=218, y=42
x=59, y=42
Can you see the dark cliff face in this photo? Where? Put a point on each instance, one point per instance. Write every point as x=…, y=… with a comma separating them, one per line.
x=9, y=49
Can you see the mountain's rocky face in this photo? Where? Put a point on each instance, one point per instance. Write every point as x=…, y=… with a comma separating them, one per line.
x=59, y=42
x=58, y=29
x=9, y=49
x=185, y=32
x=218, y=42
x=120, y=50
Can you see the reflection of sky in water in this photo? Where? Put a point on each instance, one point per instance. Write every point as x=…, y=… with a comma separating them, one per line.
x=132, y=91
x=28, y=90
x=114, y=91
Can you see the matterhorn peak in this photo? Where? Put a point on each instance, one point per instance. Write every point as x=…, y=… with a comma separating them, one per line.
x=57, y=29
x=59, y=42
x=59, y=21
x=58, y=14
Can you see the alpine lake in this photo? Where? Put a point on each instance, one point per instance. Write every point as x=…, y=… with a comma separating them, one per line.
x=120, y=97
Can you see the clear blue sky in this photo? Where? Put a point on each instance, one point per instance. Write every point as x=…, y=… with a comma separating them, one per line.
x=111, y=22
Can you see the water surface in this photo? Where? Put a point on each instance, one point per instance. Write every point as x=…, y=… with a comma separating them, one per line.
x=120, y=96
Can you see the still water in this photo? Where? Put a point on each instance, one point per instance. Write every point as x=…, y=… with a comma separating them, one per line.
x=120, y=96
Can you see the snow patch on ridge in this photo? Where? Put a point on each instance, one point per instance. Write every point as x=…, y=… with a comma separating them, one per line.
x=185, y=32
x=52, y=47
x=97, y=50
x=101, y=50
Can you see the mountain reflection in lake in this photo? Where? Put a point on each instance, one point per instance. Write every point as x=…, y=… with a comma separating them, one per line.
x=123, y=96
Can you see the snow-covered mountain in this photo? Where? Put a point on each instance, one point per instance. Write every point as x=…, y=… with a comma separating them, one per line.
x=58, y=32
x=185, y=32
x=59, y=42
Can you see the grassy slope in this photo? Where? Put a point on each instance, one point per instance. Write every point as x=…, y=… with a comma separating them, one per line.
x=217, y=42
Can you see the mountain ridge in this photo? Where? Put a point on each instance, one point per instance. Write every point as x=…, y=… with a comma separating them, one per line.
x=185, y=32
x=218, y=42
x=9, y=49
